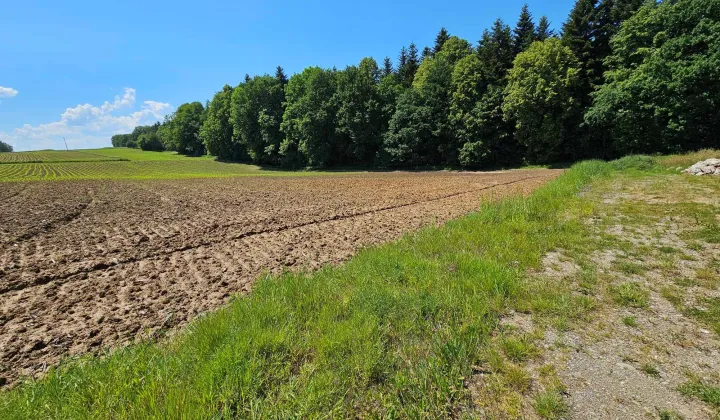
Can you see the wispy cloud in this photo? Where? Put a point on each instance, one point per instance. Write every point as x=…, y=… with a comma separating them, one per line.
x=7, y=92
x=87, y=126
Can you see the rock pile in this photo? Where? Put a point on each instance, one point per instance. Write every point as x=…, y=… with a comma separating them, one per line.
x=705, y=167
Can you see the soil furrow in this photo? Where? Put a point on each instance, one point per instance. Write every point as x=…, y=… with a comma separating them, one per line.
x=41, y=280
x=150, y=257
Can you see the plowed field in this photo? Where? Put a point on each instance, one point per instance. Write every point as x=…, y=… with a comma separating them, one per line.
x=87, y=265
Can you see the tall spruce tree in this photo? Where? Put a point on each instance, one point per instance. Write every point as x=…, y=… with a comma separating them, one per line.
x=543, y=31
x=578, y=34
x=496, y=52
x=280, y=75
x=524, y=32
x=387, y=67
x=413, y=62
x=402, y=64
x=440, y=40
x=426, y=53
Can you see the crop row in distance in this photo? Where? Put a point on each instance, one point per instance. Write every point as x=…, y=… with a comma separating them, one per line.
x=54, y=156
x=168, y=169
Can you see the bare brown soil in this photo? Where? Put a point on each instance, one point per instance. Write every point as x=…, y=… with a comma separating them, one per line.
x=88, y=265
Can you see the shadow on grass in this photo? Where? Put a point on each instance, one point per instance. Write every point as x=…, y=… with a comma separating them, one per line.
x=381, y=169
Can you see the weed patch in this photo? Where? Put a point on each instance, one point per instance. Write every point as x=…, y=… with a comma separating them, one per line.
x=630, y=294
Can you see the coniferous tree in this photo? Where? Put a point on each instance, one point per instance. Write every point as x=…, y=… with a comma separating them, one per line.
x=524, y=32
x=543, y=31
x=578, y=33
x=387, y=67
x=496, y=143
x=426, y=53
x=280, y=75
x=440, y=40
x=402, y=64
x=579, y=36
x=412, y=64
x=496, y=52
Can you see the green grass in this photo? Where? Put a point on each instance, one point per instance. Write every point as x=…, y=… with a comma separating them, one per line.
x=630, y=321
x=518, y=349
x=650, y=370
x=664, y=414
x=392, y=333
x=703, y=391
x=140, y=155
x=121, y=163
x=630, y=294
x=708, y=313
x=550, y=405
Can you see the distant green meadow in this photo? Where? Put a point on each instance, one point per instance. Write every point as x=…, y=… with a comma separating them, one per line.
x=119, y=163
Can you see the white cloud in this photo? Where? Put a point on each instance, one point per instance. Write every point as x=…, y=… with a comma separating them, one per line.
x=7, y=92
x=88, y=126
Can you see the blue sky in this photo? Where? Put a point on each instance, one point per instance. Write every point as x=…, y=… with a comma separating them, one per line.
x=86, y=69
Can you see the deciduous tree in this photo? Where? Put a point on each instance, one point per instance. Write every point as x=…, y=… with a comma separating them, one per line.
x=539, y=98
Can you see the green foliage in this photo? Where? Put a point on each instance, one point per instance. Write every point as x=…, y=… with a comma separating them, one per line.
x=524, y=32
x=654, y=78
x=5, y=148
x=408, y=65
x=409, y=133
x=256, y=115
x=310, y=119
x=663, y=79
x=360, y=116
x=150, y=142
x=454, y=50
x=440, y=40
x=539, y=98
x=183, y=129
x=637, y=162
x=217, y=131
x=468, y=87
x=543, y=30
x=132, y=140
x=419, y=132
x=496, y=52
x=387, y=67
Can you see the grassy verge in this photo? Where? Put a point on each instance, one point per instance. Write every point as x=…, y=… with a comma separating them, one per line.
x=395, y=332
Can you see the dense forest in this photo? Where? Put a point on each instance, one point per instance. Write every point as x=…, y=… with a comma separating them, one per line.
x=621, y=76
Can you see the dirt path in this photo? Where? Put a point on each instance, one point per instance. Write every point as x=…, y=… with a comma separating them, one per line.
x=88, y=265
x=645, y=343
x=652, y=343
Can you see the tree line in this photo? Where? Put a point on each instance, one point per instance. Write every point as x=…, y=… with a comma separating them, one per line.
x=622, y=76
x=4, y=147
